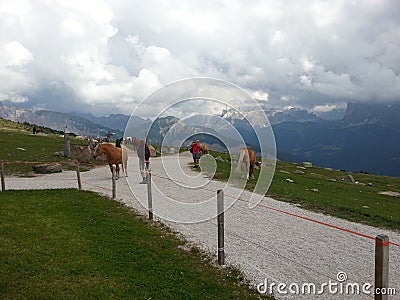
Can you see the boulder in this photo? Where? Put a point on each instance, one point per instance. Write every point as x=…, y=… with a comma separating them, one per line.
x=348, y=178
x=307, y=164
x=390, y=193
x=58, y=154
x=48, y=168
x=220, y=158
x=298, y=172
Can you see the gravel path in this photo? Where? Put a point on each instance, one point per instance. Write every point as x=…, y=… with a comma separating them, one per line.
x=263, y=242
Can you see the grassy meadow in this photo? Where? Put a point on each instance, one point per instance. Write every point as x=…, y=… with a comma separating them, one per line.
x=66, y=244
x=18, y=144
x=322, y=190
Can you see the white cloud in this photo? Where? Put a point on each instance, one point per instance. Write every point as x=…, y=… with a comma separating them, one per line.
x=72, y=27
x=303, y=53
x=325, y=108
x=13, y=98
x=14, y=54
x=277, y=37
x=14, y=78
x=19, y=99
x=308, y=64
x=305, y=80
x=259, y=95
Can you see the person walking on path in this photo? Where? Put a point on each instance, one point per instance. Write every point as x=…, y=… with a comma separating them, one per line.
x=118, y=142
x=196, y=153
x=143, y=153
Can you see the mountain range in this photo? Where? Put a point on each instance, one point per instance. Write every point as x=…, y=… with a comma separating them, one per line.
x=366, y=139
x=59, y=121
x=363, y=138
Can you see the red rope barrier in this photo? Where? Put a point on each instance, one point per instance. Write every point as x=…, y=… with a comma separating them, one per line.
x=97, y=186
x=71, y=163
x=288, y=213
x=235, y=198
x=49, y=179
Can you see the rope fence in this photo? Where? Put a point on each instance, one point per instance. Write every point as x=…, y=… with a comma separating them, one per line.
x=75, y=165
x=79, y=182
x=284, y=212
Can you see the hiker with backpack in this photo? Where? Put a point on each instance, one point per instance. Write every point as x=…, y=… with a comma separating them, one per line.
x=195, y=150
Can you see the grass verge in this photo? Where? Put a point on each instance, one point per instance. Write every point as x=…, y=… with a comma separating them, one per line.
x=322, y=190
x=66, y=244
x=22, y=146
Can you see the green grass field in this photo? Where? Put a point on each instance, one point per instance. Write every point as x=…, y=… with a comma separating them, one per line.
x=66, y=244
x=19, y=145
x=322, y=190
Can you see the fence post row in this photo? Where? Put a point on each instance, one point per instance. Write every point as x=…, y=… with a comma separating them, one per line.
x=3, y=183
x=149, y=195
x=114, y=184
x=220, y=214
x=381, y=266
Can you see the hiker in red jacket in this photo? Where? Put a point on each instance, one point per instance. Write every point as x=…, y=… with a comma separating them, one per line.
x=196, y=153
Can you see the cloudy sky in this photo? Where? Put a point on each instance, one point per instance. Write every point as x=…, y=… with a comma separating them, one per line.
x=106, y=56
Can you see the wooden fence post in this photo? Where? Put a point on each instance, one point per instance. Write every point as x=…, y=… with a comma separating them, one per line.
x=381, y=266
x=114, y=184
x=78, y=176
x=67, y=145
x=220, y=214
x=3, y=182
x=149, y=195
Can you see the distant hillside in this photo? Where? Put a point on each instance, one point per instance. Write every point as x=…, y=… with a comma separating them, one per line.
x=173, y=132
x=25, y=126
x=57, y=121
x=114, y=121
